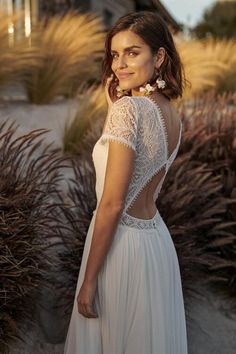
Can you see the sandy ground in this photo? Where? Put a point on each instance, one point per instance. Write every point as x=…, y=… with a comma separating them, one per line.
x=210, y=325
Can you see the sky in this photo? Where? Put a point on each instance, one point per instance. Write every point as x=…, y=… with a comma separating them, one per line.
x=188, y=12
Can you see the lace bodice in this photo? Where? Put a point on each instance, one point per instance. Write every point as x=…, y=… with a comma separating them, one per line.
x=137, y=122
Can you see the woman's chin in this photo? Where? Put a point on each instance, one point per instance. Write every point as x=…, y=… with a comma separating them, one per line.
x=125, y=87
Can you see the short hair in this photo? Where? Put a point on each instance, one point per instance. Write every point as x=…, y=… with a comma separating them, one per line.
x=154, y=31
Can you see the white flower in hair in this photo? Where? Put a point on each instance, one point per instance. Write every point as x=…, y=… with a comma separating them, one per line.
x=120, y=91
x=161, y=83
x=147, y=88
x=142, y=89
x=150, y=88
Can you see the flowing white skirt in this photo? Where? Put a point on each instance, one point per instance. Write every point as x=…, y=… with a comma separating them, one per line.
x=139, y=297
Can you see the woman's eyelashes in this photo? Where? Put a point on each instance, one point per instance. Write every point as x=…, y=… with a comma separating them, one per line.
x=129, y=54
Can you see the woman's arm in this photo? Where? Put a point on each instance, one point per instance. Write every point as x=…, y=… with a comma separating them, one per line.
x=118, y=174
x=121, y=134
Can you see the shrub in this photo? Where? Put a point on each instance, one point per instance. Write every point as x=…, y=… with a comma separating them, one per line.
x=16, y=54
x=28, y=182
x=218, y=21
x=203, y=185
x=69, y=48
x=91, y=108
x=208, y=64
x=76, y=215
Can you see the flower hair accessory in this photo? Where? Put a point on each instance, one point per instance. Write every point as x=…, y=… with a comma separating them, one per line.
x=160, y=83
x=148, y=89
x=121, y=92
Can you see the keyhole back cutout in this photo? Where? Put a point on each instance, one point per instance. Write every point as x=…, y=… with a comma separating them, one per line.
x=144, y=206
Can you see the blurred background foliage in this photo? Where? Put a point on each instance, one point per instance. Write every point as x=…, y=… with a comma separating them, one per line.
x=90, y=108
x=53, y=63
x=69, y=48
x=16, y=54
x=209, y=64
x=55, y=59
x=219, y=21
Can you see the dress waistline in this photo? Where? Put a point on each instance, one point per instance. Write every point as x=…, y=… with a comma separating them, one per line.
x=138, y=223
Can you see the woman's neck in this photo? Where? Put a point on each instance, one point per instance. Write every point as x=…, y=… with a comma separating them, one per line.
x=156, y=95
x=136, y=93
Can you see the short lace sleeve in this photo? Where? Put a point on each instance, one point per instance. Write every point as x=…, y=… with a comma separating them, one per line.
x=122, y=123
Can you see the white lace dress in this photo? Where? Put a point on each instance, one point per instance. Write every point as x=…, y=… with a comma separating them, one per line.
x=139, y=297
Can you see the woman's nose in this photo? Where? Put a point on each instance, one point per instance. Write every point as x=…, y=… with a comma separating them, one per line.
x=121, y=63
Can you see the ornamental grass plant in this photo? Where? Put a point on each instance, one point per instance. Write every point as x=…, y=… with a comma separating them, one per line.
x=202, y=182
x=29, y=181
x=76, y=215
x=70, y=48
x=91, y=110
x=209, y=64
x=16, y=54
x=8, y=64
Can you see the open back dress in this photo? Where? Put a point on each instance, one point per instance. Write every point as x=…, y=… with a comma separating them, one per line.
x=139, y=297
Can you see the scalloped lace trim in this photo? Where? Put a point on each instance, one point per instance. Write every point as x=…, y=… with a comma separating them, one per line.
x=140, y=224
x=105, y=137
x=145, y=184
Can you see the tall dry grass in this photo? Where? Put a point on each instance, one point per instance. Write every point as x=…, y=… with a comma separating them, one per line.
x=203, y=184
x=75, y=218
x=17, y=54
x=90, y=112
x=69, y=47
x=10, y=62
x=29, y=182
x=207, y=64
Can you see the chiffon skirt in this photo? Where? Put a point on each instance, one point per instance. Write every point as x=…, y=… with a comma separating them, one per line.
x=139, y=297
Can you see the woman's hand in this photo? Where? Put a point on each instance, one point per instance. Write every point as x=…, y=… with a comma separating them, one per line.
x=108, y=85
x=85, y=299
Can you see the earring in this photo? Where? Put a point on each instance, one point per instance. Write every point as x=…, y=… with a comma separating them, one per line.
x=121, y=92
x=160, y=83
x=147, y=89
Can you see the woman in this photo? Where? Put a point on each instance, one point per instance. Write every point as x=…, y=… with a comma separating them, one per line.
x=129, y=295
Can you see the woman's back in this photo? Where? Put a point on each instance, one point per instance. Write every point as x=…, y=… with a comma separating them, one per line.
x=144, y=206
x=156, y=137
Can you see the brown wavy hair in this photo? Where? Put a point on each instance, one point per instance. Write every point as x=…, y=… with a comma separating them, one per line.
x=151, y=27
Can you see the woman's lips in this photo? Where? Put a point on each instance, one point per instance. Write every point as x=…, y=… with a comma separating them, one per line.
x=124, y=76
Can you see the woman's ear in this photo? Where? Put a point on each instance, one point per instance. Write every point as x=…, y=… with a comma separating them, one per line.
x=160, y=57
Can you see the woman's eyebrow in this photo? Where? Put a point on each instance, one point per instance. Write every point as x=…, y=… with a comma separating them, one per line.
x=127, y=49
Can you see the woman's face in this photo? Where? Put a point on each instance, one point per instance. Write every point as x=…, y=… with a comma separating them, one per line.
x=133, y=62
